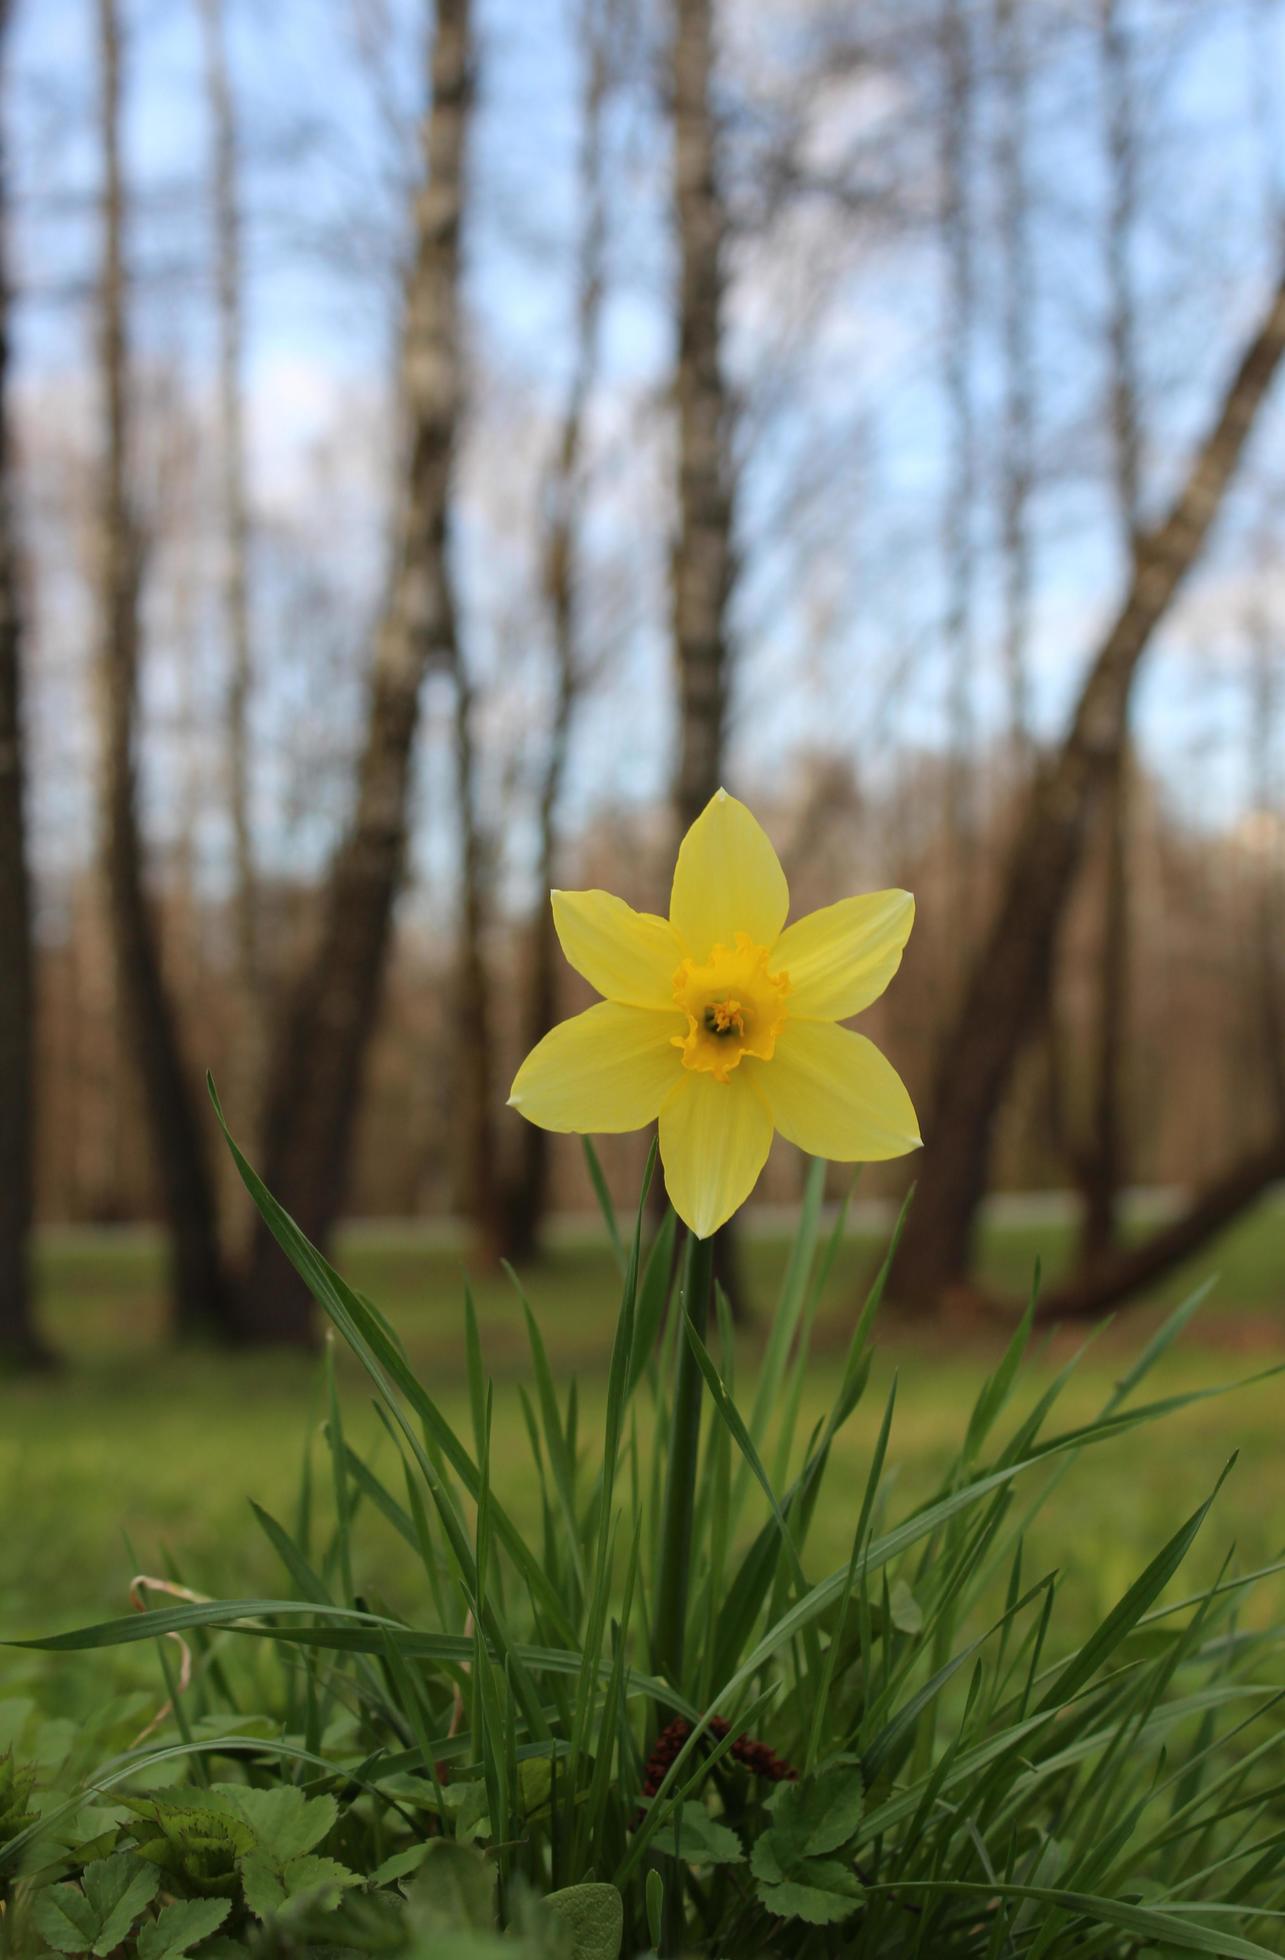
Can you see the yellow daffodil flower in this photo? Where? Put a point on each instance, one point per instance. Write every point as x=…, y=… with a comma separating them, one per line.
x=723, y=1022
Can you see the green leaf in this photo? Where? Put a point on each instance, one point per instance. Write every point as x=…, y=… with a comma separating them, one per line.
x=285, y=1823
x=118, y=1888
x=65, y=1919
x=97, y=1918
x=699, y=1839
x=264, y=1888
x=179, y=1927
x=593, y=1916
x=454, y=1890
x=823, y=1892
x=816, y=1815
x=400, y=1865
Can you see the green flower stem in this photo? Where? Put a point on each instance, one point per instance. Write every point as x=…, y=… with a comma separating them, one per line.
x=669, y=1627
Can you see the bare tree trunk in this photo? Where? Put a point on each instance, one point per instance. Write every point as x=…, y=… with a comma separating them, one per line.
x=472, y=1049
x=20, y=1344
x=169, y=1092
x=703, y=564
x=245, y=1088
x=961, y=488
x=1102, y=1157
x=564, y=510
x=1001, y=1001
x=702, y=569
x=1121, y=1275
x=1016, y=460
x=316, y=1084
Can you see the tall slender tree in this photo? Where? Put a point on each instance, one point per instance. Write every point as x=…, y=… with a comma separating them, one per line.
x=1009, y=976
x=235, y=543
x=1102, y=1155
x=703, y=560
x=563, y=515
x=1012, y=35
x=173, y=1108
x=956, y=222
x=321, y=1051
x=20, y=1344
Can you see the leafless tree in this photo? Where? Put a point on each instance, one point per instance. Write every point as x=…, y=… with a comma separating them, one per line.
x=235, y=525
x=563, y=513
x=20, y=1345
x=175, y=1115
x=1012, y=35
x=319, y=1057
x=1001, y=999
x=956, y=219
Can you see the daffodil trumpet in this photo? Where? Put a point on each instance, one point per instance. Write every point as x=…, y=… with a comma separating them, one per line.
x=722, y=1022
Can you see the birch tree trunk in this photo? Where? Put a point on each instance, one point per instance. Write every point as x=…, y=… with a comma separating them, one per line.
x=20, y=1345
x=1018, y=415
x=173, y=1104
x=1102, y=1157
x=316, y=1083
x=703, y=566
x=563, y=514
x=956, y=220
x=245, y=1087
x=1009, y=977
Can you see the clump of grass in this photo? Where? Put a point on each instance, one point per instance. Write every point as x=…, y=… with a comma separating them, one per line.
x=652, y=1725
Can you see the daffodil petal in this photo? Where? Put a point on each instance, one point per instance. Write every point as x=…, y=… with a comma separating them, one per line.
x=841, y=958
x=714, y=1140
x=625, y=955
x=832, y=1092
x=728, y=879
x=605, y=1070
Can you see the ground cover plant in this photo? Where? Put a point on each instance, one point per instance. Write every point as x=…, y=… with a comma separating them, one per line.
x=537, y=1747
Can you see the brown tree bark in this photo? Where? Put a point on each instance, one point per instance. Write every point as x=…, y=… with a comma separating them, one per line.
x=956, y=223
x=528, y=1196
x=316, y=1084
x=1120, y=1275
x=171, y=1095
x=1016, y=460
x=703, y=562
x=235, y=541
x=1101, y=1160
x=20, y=1343
x=1002, y=997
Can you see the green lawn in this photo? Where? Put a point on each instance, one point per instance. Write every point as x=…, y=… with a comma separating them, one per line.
x=136, y=1454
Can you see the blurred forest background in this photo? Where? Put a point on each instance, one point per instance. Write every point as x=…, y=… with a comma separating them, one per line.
x=440, y=444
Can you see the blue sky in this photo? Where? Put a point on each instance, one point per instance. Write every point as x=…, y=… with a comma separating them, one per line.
x=826, y=616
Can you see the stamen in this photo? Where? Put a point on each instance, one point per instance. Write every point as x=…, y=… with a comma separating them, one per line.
x=725, y=1017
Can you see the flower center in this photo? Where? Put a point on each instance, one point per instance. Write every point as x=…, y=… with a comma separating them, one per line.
x=734, y=1007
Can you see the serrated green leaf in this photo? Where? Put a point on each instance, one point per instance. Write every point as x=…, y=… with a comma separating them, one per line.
x=594, y=1918
x=285, y=1823
x=816, y=1815
x=821, y=1891
x=309, y=1874
x=265, y=1893
x=65, y=1919
x=699, y=1839
x=180, y=1927
x=118, y=1888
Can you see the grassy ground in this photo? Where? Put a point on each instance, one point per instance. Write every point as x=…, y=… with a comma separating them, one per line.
x=135, y=1454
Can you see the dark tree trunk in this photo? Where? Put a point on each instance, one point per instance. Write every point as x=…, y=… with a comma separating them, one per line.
x=528, y=1195
x=172, y=1099
x=703, y=565
x=1001, y=1001
x=702, y=561
x=314, y=1091
x=20, y=1345
x=1120, y=1275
